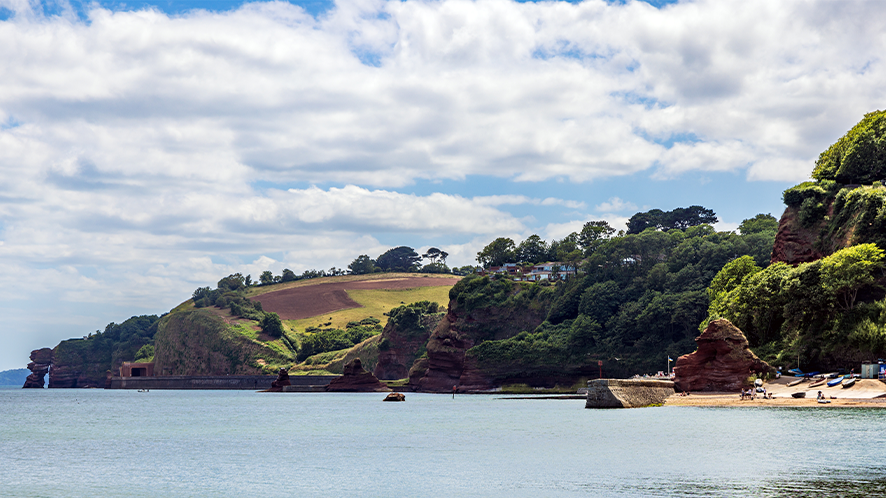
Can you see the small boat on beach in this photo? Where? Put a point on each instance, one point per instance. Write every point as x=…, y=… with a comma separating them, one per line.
x=818, y=383
x=795, y=382
x=835, y=382
x=824, y=401
x=848, y=382
x=801, y=394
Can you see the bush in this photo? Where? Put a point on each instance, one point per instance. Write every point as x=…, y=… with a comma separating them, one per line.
x=272, y=325
x=795, y=196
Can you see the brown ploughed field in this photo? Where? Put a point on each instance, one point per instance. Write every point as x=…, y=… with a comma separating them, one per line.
x=312, y=300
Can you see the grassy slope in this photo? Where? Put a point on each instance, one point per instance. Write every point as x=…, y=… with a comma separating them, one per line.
x=375, y=303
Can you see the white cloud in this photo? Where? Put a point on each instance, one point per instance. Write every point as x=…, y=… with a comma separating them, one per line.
x=500, y=200
x=133, y=144
x=615, y=205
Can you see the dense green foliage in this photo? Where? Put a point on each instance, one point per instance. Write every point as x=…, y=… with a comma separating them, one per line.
x=758, y=224
x=815, y=310
x=859, y=156
x=533, y=250
x=401, y=258
x=231, y=293
x=107, y=350
x=362, y=265
x=677, y=219
x=318, y=340
x=410, y=323
x=638, y=299
x=862, y=211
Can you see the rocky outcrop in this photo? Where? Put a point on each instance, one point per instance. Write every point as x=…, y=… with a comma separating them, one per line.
x=461, y=329
x=41, y=360
x=722, y=361
x=280, y=383
x=627, y=393
x=356, y=379
x=400, y=346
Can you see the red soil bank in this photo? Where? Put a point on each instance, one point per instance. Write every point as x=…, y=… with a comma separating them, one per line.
x=313, y=300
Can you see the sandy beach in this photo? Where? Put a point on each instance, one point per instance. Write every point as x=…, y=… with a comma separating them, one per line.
x=865, y=393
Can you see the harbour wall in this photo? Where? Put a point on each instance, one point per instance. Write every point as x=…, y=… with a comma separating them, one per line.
x=253, y=382
x=627, y=393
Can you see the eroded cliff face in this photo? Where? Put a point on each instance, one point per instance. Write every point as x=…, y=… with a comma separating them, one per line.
x=400, y=346
x=722, y=362
x=460, y=330
x=793, y=243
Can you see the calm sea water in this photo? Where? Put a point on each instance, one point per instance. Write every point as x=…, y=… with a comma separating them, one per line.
x=241, y=444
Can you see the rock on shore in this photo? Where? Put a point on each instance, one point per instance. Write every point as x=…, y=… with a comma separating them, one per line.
x=722, y=361
x=356, y=379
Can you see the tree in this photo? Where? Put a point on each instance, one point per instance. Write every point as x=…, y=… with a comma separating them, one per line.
x=683, y=218
x=532, y=250
x=288, y=275
x=272, y=325
x=248, y=281
x=362, y=265
x=679, y=219
x=266, y=277
x=845, y=272
x=731, y=276
x=497, y=253
x=593, y=233
x=401, y=258
x=859, y=156
x=758, y=224
x=432, y=254
x=200, y=293
x=641, y=221
x=572, y=259
x=232, y=282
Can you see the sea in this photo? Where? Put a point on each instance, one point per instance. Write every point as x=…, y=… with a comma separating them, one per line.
x=119, y=443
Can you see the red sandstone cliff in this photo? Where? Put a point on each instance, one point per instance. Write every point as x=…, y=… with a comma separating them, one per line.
x=793, y=243
x=460, y=330
x=722, y=361
x=398, y=348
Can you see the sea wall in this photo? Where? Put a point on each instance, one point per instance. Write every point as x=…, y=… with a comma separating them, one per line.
x=627, y=393
x=255, y=382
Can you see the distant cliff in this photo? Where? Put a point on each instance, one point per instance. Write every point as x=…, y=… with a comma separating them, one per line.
x=85, y=362
x=209, y=341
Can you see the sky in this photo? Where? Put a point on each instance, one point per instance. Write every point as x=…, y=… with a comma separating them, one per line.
x=150, y=148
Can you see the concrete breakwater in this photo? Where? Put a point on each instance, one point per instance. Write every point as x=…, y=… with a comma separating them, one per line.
x=304, y=383
x=627, y=393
